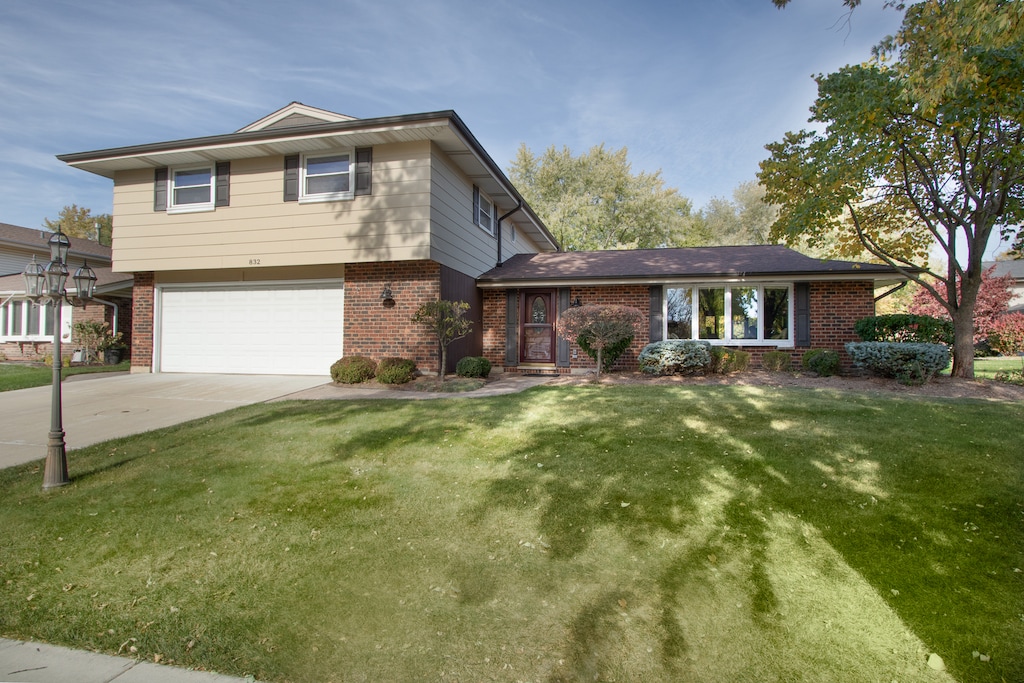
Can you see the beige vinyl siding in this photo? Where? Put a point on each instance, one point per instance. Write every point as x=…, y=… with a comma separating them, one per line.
x=455, y=241
x=240, y=275
x=260, y=230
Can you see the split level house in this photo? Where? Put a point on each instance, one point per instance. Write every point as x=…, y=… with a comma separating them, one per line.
x=309, y=235
x=26, y=330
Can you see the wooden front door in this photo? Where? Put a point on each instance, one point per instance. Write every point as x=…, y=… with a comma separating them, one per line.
x=538, y=327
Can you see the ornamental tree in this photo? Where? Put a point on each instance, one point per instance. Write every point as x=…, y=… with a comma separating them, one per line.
x=447, y=322
x=913, y=159
x=1007, y=335
x=603, y=326
x=993, y=300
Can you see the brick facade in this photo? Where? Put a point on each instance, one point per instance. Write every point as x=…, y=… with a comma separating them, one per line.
x=142, y=322
x=835, y=308
x=377, y=332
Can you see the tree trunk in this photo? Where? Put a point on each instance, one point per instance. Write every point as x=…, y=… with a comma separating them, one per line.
x=599, y=350
x=444, y=363
x=963, y=344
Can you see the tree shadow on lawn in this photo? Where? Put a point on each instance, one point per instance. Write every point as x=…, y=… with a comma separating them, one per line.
x=721, y=480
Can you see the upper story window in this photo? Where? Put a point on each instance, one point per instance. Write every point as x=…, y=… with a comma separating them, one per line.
x=326, y=178
x=483, y=211
x=323, y=177
x=736, y=314
x=189, y=189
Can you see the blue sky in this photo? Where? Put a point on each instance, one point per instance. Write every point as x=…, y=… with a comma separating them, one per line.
x=694, y=88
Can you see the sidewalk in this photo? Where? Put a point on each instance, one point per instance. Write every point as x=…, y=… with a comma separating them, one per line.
x=38, y=663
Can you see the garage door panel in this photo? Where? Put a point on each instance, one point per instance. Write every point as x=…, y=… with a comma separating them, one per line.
x=272, y=330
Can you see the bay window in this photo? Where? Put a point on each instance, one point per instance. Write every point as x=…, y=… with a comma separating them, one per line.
x=733, y=314
x=20, y=320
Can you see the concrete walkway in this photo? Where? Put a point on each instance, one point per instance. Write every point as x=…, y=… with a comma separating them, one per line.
x=105, y=407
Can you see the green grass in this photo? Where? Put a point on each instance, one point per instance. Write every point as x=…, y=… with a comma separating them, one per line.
x=18, y=376
x=563, y=534
x=986, y=368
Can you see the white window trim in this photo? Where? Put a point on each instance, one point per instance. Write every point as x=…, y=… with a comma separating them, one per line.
x=490, y=215
x=172, y=207
x=728, y=287
x=305, y=198
x=27, y=309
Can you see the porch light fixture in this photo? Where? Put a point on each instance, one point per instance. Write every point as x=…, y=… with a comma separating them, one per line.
x=48, y=283
x=576, y=303
x=386, y=297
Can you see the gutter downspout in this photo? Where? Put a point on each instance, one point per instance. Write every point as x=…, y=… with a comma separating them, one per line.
x=519, y=205
x=113, y=328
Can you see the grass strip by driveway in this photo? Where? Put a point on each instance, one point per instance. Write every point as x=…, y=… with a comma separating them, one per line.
x=20, y=376
x=562, y=534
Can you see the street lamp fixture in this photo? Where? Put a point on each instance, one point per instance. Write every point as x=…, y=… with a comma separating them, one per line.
x=48, y=283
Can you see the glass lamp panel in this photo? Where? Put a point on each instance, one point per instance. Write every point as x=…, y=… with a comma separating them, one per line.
x=59, y=246
x=85, y=282
x=35, y=278
x=56, y=276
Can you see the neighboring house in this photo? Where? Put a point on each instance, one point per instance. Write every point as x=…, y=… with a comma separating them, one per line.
x=26, y=330
x=1014, y=269
x=309, y=235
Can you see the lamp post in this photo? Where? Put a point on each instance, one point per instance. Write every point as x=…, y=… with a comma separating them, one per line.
x=48, y=283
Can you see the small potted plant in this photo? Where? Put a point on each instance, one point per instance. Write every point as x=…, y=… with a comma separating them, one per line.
x=113, y=347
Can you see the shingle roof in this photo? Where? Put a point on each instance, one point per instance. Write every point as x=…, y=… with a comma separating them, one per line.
x=37, y=240
x=646, y=265
x=1014, y=269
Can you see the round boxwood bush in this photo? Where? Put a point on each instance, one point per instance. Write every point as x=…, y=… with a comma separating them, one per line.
x=353, y=369
x=473, y=366
x=823, y=362
x=395, y=370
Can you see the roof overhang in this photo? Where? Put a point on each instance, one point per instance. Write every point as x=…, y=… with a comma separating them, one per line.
x=443, y=128
x=725, y=278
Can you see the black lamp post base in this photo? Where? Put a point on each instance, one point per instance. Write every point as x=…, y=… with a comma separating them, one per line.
x=56, y=472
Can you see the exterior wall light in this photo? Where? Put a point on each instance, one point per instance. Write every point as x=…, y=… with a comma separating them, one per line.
x=386, y=297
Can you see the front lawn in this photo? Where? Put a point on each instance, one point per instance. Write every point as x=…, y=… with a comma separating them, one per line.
x=629, y=533
x=23, y=376
x=986, y=368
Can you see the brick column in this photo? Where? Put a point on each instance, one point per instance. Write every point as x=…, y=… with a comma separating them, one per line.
x=143, y=299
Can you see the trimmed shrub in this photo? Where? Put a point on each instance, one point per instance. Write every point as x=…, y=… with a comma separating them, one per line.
x=611, y=352
x=395, y=370
x=822, y=362
x=909, y=363
x=675, y=357
x=473, y=366
x=776, y=361
x=1007, y=334
x=724, y=361
x=900, y=327
x=353, y=369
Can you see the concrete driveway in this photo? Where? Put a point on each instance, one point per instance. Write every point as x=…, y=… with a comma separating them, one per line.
x=101, y=407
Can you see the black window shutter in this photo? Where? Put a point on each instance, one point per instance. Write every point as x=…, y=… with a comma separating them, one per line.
x=656, y=316
x=802, y=311
x=364, y=170
x=476, y=205
x=291, y=178
x=223, y=191
x=512, y=328
x=160, y=189
x=562, y=346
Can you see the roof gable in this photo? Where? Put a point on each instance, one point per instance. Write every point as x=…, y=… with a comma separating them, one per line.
x=295, y=114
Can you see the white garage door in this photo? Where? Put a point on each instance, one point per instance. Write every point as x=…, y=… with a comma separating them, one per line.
x=259, y=330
